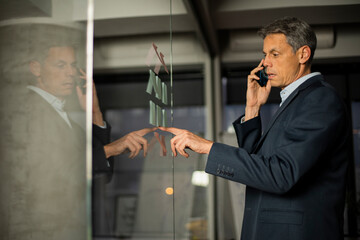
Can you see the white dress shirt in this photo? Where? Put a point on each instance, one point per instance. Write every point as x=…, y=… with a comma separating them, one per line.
x=285, y=93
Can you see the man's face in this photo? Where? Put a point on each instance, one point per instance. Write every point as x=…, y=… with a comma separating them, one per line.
x=281, y=62
x=57, y=73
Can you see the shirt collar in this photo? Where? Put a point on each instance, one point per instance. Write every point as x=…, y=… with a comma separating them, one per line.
x=285, y=93
x=54, y=101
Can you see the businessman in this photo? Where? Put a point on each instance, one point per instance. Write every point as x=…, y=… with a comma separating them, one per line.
x=295, y=168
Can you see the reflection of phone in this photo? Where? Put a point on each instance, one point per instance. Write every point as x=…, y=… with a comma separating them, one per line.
x=263, y=77
x=80, y=82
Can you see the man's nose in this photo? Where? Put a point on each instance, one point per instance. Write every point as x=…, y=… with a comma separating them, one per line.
x=70, y=71
x=266, y=62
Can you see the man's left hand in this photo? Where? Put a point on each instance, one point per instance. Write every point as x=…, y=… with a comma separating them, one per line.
x=97, y=114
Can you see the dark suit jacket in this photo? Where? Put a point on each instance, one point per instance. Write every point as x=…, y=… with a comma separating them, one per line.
x=295, y=170
x=101, y=165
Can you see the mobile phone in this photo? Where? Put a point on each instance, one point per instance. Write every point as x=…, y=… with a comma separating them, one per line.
x=263, y=77
x=80, y=82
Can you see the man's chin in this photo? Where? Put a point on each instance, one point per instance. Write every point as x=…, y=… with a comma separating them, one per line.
x=65, y=94
x=275, y=84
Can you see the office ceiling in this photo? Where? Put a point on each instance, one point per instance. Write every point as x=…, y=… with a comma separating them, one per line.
x=218, y=24
x=212, y=19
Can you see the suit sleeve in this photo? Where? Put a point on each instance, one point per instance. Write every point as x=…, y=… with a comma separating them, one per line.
x=248, y=133
x=315, y=130
x=101, y=164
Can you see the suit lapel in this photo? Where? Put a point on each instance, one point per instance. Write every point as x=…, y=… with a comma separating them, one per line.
x=303, y=86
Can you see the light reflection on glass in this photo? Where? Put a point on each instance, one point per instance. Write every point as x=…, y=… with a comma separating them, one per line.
x=169, y=191
x=200, y=178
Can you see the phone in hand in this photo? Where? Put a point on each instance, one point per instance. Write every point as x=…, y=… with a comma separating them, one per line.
x=263, y=77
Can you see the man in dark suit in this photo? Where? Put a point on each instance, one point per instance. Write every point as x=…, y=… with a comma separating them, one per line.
x=295, y=169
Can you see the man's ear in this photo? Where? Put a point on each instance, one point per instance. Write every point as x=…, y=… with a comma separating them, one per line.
x=35, y=68
x=304, y=54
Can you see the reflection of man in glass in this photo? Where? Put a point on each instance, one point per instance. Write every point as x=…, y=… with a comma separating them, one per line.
x=55, y=73
x=55, y=81
x=57, y=143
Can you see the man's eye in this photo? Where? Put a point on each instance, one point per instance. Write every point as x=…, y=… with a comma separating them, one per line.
x=60, y=66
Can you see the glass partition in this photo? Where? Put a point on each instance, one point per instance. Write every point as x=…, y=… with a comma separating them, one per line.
x=42, y=151
x=137, y=203
x=133, y=79
x=155, y=196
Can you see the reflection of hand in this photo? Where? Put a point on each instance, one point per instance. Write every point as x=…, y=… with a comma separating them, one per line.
x=256, y=96
x=161, y=140
x=81, y=95
x=97, y=114
x=185, y=139
x=133, y=142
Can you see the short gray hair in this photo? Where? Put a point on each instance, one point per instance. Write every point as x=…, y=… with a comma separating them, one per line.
x=298, y=33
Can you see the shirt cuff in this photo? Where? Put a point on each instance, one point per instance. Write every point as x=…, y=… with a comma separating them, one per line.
x=242, y=120
x=104, y=125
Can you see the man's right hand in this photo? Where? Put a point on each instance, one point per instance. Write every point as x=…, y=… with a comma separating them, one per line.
x=256, y=96
x=185, y=139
